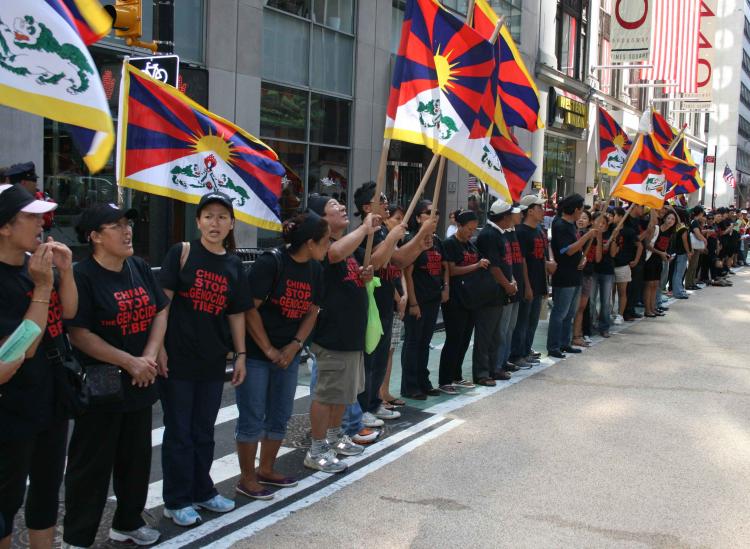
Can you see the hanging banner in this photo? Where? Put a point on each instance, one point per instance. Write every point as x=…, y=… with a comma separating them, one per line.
x=631, y=31
x=706, y=39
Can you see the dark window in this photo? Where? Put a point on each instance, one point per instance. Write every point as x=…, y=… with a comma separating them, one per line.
x=283, y=112
x=744, y=95
x=571, y=38
x=300, y=8
x=329, y=120
x=744, y=128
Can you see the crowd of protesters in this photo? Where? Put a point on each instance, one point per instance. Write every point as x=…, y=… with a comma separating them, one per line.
x=171, y=336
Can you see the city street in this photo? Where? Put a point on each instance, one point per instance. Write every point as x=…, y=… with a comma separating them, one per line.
x=640, y=441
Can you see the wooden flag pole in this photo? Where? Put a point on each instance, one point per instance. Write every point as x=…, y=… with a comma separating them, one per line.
x=420, y=188
x=676, y=140
x=438, y=184
x=375, y=202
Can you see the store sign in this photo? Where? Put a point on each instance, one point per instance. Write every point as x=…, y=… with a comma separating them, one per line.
x=710, y=159
x=574, y=113
x=165, y=68
x=631, y=30
x=706, y=38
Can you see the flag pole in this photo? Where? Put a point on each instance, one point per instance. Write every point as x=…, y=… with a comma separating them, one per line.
x=422, y=185
x=676, y=140
x=375, y=202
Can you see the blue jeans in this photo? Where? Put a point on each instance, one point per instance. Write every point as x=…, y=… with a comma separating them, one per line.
x=680, y=266
x=351, y=423
x=187, y=451
x=265, y=400
x=526, y=324
x=661, y=297
x=564, y=307
x=507, y=325
x=602, y=283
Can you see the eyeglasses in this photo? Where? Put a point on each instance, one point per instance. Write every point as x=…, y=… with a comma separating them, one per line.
x=121, y=226
x=429, y=212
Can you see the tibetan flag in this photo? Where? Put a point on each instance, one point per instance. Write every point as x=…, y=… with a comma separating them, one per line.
x=663, y=130
x=692, y=182
x=614, y=144
x=646, y=176
x=439, y=82
x=90, y=19
x=519, y=96
x=517, y=167
x=46, y=69
x=170, y=146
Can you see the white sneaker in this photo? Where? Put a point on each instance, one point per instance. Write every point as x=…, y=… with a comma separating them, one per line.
x=619, y=320
x=344, y=446
x=143, y=536
x=369, y=420
x=587, y=339
x=365, y=436
x=385, y=413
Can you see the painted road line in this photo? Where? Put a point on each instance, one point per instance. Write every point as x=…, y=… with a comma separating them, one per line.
x=226, y=414
x=331, y=489
x=205, y=529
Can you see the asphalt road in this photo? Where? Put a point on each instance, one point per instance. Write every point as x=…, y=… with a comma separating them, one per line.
x=641, y=441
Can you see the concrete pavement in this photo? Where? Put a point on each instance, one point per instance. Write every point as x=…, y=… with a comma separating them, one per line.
x=641, y=441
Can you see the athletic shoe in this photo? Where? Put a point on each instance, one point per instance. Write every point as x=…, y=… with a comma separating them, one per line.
x=345, y=447
x=463, y=384
x=143, y=536
x=569, y=349
x=587, y=339
x=326, y=462
x=535, y=354
x=448, y=389
x=365, y=436
x=187, y=516
x=369, y=420
x=510, y=367
x=501, y=375
x=521, y=364
x=531, y=360
x=217, y=504
x=385, y=413
x=618, y=320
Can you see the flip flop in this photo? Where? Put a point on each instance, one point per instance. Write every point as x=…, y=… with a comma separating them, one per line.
x=397, y=402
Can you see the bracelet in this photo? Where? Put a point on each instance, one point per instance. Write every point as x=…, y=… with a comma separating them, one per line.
x=298, y=340
x=46, y=301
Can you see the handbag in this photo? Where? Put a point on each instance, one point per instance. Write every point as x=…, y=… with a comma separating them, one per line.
x=478, y=288
x=104, y=383
x=72, y=395
x=697, y=243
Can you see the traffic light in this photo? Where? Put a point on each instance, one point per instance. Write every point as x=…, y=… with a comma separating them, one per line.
x=126, y=20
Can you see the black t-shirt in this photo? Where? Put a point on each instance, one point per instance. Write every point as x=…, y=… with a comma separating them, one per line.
x=495, y=247
x=564, y=234
x=119, y=308
x=427, y=274
x=678, y=247
x=463, y=254
x=343, y=313
x=662, y=241
x=626, y=246
x=207, y=289
x=533, y=243
x=606, y=266
x=298, y=286
x=388, y=275
x=517, y=260
x=27, y=400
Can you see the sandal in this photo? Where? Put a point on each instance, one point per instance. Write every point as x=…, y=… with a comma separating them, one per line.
x=487, y=382
x=396, y=402
x=578, y=341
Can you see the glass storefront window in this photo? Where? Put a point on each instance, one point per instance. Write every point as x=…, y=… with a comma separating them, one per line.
x=336, y=14
x=332, y=61
x=283, y=112
x=329, y=169
x=188, y=30
x=559, y=165
x=329, y=120
x=292, y=155
x=300, y=8
x=286, y=43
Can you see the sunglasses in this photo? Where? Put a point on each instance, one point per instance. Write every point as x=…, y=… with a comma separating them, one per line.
x=429, y=212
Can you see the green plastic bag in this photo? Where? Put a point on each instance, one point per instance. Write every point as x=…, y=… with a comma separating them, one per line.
x=374, y=330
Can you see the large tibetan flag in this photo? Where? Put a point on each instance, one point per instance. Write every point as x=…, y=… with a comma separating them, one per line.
x=91, y=21
x=691, y=182
x=517, y=167
x=46, y=69
x=648, y=173
x=663, y=130
x=614, y=144
x=440, y=78
x=170, y=146
x=519, y=96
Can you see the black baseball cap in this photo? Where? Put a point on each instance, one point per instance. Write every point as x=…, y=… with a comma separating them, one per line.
x=98, y=214
x=25, y=171
x=14, y=199
x=215, y=198
x=364, y=195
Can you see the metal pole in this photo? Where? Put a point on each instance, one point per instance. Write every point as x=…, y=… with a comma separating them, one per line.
x=713, y=185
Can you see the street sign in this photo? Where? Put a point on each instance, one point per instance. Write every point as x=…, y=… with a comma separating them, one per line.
x=710, y=159
x=161, y=67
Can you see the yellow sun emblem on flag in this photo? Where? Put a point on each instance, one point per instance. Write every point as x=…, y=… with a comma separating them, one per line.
x=619, y=141
x=213, y=144
x=445, y=70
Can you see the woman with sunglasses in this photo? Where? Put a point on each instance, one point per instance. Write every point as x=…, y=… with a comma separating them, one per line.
x=427, y=287
x=119, y=327
x=209, y=292
x=32, y=436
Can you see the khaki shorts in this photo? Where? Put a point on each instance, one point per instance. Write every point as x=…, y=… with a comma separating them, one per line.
x=341, y=375
x=622, y=274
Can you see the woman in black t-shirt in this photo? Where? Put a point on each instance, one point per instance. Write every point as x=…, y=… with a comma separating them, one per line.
x=32, y=436
x=462, y=258
x=593, y=255
x=655, y=263
x=683, y=252
x=208, y=289
x=286, y=287
x=121, y=321
x=427, y=286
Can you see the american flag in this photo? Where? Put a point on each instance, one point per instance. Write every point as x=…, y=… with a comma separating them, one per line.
x=473, y=186
x=674, y=44
x=729, y=177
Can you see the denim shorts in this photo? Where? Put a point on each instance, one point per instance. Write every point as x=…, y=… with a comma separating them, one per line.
x=265, y=400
